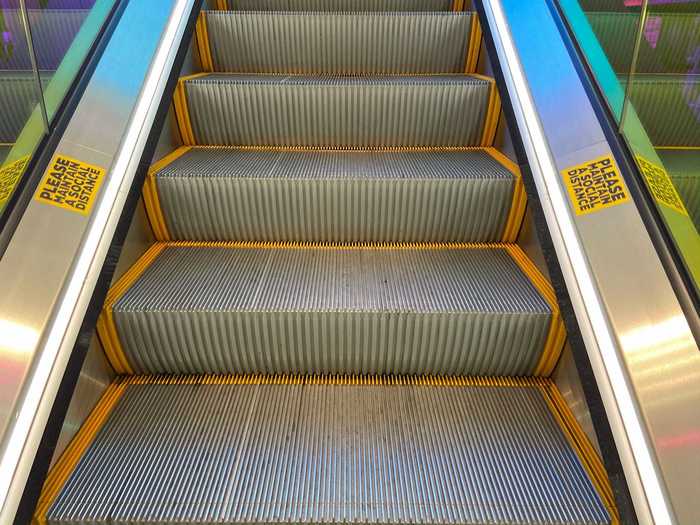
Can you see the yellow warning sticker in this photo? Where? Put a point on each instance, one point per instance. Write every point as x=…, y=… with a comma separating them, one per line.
x=595, y=185
x=70, y=184
x=9, y=176
x=660, y=185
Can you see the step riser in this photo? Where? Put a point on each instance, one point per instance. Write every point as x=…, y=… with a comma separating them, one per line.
x=339, y=44
x=320, y=196
x=341, y=115
x=336, y=5
x=197, y=309
x=321, y=454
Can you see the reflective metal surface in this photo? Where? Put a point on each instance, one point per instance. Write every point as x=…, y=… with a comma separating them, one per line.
x=51, y=265
x=643, y=354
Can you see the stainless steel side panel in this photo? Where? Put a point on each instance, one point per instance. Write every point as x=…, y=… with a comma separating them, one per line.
x=643, y=354
x=51, y=264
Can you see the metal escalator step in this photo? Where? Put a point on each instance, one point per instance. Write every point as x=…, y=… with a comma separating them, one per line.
x=337, y=112
x=337, y=43
x=667, y=108
x=337, y=5
x=257, y=308
x=229, y=194
x=684, y=168
x=53, y=32
x=19, y=96
x=666, y=50
x=286, y=450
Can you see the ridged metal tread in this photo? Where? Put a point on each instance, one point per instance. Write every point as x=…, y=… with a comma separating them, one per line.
x=323, y=43
x=338, y=5
x=53, y=32
x=670, y=51
x=239, y=309
x=684, y=168
x=228, y=453
x=18, y=98
x=336, y=112
x=667, y=107
x=222, y=194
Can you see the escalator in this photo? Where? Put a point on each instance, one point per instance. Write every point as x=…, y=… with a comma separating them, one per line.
x=666, y=84
x=337, y=321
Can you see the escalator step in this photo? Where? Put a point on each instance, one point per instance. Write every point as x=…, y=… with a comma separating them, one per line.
x=683, y=165
x=337, y=43
x=337, y=112
x=4, y=152
x=667, y=106
x=336, y=5
x=19, y=96
x=53, y=32
x=227, y=194
x=290, y=450
x=257, y=308
x=666, y=48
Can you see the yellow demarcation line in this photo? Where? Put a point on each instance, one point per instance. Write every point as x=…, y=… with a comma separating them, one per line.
x=579, y=441
x=493, y=113
x=182, y=110
x=557, y=333
x=150, y=194
x=66, y=464
x=474, y=46
x=222, y=5
x=519, y=202
x=457, y=5
x=106, y=327
x=202, y=34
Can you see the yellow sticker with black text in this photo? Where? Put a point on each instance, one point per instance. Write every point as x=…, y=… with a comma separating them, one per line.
x=70, y=184
x=595, y=185
x=9, y=177
x=660, y=185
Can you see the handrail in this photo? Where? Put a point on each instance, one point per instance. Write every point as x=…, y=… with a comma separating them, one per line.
x=642, y=352
x=49, y=270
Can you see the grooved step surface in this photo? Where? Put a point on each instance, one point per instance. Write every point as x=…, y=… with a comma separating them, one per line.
x=53, y=32
x=332, y=310
x=226, y=453
x=668, y=47
x=19, y=96
x=667, y=105
x=338, y=43
x=340, y=5
x=684, y=168
x=340, y=196
x=382, y=111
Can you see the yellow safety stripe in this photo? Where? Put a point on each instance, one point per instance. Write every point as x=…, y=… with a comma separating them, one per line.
x=71, y=456
x=584, y=449
x=335, y=245
x=519, y=201
x=222, y=5
x=332, y=379
x=493, y=112
x=457, y=5
x=182, y=109
x=106, y=327
x=346, y=148
x=154, y=211
x=557, y=332
x=202, y=35
x=474, y=48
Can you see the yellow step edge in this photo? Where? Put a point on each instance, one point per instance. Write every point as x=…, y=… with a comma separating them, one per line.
x=182, y=112
x=151, y=198
x=106, y=327
x=66, y=464
x=474, y=45
x=588, y=456
x=519, y=200
x=222, y=5
x=556, y=336
x=202, y=38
